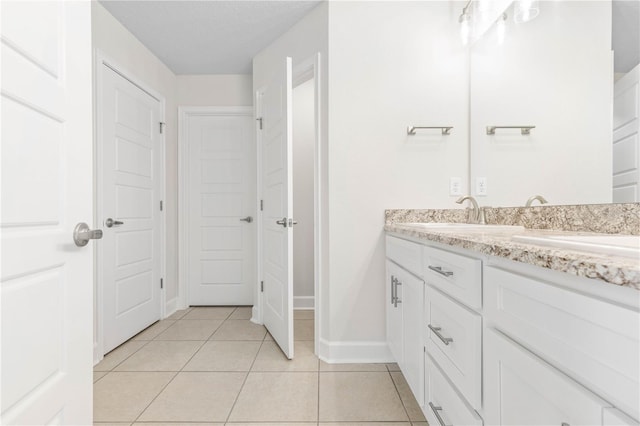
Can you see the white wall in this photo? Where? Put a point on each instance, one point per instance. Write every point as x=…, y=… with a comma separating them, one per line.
x=556, y=73
x=391, y=65
x=215, y=90
x=303, y=156
x=117, y=43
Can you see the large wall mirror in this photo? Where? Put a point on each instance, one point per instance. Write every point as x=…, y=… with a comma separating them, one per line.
x=555, y=73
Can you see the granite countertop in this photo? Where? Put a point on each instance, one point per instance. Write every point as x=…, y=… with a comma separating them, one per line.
x=618, y=270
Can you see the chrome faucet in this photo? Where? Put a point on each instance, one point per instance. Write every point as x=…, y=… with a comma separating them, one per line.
x=477, y=212
x=536, y=197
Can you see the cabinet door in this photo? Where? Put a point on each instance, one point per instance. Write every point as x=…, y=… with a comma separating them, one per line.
x=521, y=389
x=394, y=312
x=412, y=365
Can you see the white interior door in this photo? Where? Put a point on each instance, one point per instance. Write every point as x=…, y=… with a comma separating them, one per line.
x=626, y=142
x=221, y=206
x=277, y=215
x=46, y=280
x=129, y=258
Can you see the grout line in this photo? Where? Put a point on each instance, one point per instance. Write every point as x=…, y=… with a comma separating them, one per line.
x=399, y=395
x=157, y=395
x=146, y=342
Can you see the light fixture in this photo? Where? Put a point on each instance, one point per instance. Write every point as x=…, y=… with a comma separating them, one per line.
x=501, y=28
x=465, y=24
x=525, y=10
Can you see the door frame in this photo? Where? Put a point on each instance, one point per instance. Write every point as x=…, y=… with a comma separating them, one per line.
x=102, y=60
x=302, y=71
x=184, y=112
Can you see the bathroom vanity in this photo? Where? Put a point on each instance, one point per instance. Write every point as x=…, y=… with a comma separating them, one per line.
x=490, y=328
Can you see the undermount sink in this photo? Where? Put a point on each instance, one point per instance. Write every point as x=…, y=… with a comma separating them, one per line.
x=465, y=226
x=616, y=245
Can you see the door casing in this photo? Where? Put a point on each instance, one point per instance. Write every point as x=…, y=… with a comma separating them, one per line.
x=102, y=60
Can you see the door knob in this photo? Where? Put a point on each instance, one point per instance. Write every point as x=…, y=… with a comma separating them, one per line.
x=82, y=234
x=247, y=219
x=282, y=222
x=110, y=222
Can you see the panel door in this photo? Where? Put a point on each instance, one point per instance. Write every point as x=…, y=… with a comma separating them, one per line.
x=221, y=208
x=130, y=254
x=626, y=134
x=411, y=295
x=46, y=166
x=277, y=221
x=521, y=389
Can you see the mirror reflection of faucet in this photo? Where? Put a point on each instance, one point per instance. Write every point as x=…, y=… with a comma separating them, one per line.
x=534, y=198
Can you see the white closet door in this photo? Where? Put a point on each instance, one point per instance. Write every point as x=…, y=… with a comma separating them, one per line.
x=277, y=220
x=46, y=280
x=130, y=211
x=221, y=208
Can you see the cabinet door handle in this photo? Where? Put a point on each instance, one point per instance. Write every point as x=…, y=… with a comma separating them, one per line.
x=436, y=411
x=436, y=331
x=439, y=270
x=397, y=300
x=393, y=286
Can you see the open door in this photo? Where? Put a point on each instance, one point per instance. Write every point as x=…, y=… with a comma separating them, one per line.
x=277, y=196
x=47, y=196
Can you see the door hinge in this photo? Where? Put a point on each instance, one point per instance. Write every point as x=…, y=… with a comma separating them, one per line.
x=162, y=127
x=261, y=205
x=261, y=286
x=161, y=205
x=259, y=120
x=161, y=283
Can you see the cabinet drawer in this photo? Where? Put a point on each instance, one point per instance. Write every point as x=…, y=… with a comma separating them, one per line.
x=521, y=389
x=614, y=417
x=443, y=399
x=456, y=275
x=406, y=254
x=592, y=340
x=454, y=341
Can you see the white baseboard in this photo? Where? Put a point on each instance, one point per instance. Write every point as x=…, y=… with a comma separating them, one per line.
x=354, y=352
x=255, y=315
x=170, y=307
x=303, y=302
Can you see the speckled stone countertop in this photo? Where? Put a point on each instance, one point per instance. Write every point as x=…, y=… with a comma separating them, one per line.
x=618, y=270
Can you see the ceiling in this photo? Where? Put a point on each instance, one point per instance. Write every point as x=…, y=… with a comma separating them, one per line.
x=208, y=37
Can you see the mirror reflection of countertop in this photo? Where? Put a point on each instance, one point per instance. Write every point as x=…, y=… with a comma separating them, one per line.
x=622, y=270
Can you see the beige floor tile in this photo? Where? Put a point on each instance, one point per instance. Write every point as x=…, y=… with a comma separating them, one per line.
x=393, y=367
x=190, y=330
x=272, y=424
x=365, y=424
x=360, y=397
x=119, y=354
x=177, y=424
x=303, y=329
x=420, y=424
x=160, y=355
x=196, y=397
x=97, y=375
x=268, y=337
x=353, y=367
x=271, y=358
x=111, y=424
x=121, y=397
x=209, y=312
x=303, y=314
x=242, y=313
x=410, y=404
x=224, y=356
x=277, y=397
x=152, y=331
x=239, y=330
x=178, y=314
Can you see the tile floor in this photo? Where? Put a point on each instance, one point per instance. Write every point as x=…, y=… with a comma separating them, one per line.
x=212, y=366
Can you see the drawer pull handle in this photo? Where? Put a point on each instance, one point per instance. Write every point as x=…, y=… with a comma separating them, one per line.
x=436, y=412
x=565, y=424
x=393, y=288
x=439, y=270
x=436, y=331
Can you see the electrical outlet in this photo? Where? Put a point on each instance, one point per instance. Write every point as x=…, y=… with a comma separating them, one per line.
x=481, y=186
x=455, y=186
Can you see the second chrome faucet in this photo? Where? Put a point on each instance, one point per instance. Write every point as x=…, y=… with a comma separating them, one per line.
x=477, y=214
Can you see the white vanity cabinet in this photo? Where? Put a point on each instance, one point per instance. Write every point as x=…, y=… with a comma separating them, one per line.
x=555, y=353
x=405, y=295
